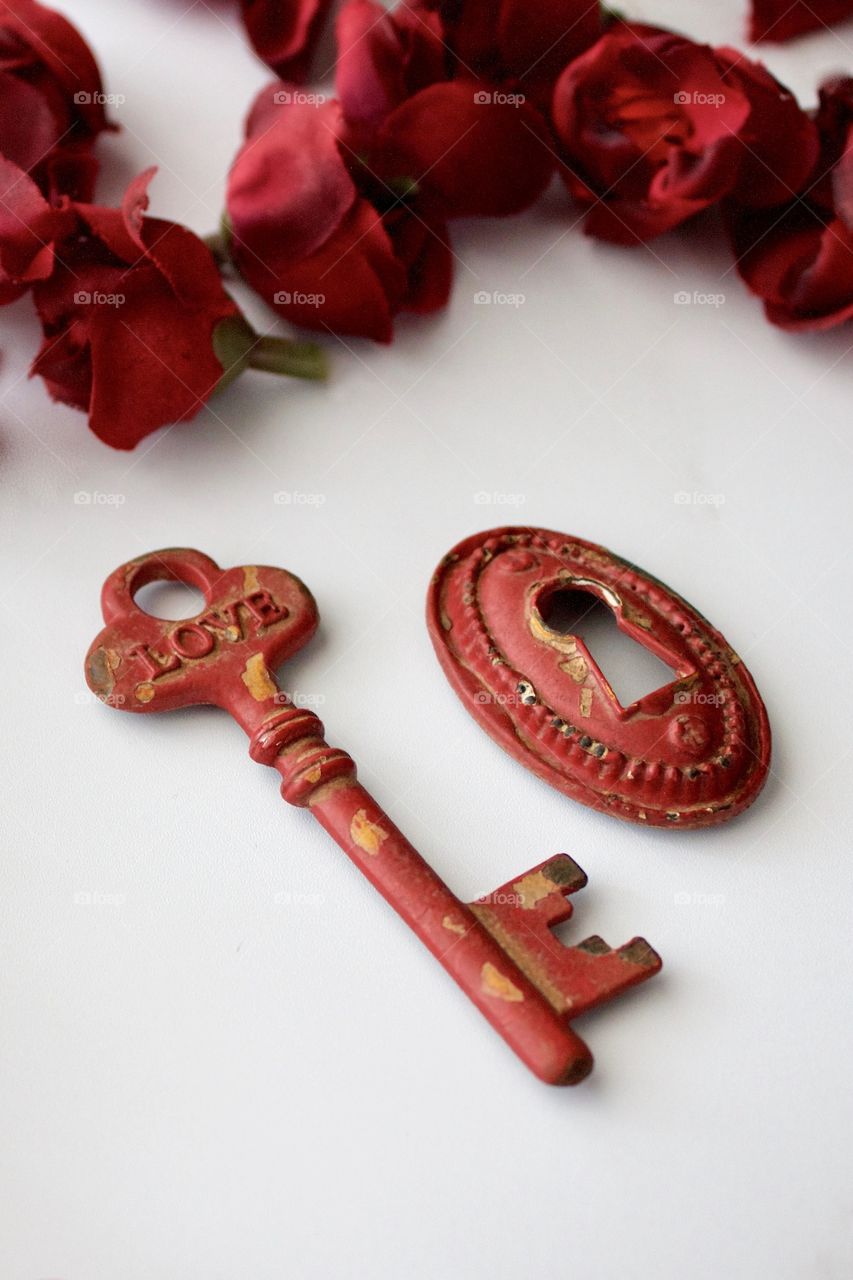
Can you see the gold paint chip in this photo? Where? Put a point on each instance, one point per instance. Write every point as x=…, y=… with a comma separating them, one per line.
x=258, y=680
x=499, y=985
x=368, y=835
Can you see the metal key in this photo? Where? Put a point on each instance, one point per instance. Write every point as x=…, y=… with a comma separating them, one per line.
x=500, y=950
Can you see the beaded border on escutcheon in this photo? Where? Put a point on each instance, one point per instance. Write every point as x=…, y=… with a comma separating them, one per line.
x=600, y=773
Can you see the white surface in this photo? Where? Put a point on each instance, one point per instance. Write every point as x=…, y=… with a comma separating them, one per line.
x=236, y=1062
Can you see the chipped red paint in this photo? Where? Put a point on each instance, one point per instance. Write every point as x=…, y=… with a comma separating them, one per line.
x=692, y=753
x=500, y=950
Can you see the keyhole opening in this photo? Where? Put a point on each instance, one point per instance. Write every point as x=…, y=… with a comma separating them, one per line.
x=169, y=600
x=631, y=670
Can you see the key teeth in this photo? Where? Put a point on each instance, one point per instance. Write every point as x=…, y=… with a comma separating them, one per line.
x=543, y=889
x=520, y=917
x=594, y=946
x=638, y=952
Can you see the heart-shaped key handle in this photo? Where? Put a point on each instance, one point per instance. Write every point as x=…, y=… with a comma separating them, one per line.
x=255, y=617
x=500, y=949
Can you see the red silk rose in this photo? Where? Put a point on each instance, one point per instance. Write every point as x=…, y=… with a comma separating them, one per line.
x=799, y=259
x=51, y=99
x=284, y=32
x=467, y=148
x=655, y=128
x=302, y=234
x=129, y=315
x=138, y=330
x=782, y=19
x=469, y=151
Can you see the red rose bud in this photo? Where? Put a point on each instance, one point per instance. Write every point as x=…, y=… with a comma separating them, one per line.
x=308, y=239
x=655, y=128
x=469, y=150
x=781, y=19
x=800, y=263
x=799, y=258
x=384, y=56
x=51, y=99
x=284, y=33
x=138, y=331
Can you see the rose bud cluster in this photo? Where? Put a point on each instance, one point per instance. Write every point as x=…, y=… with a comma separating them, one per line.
x=338, y=210
x=783, y=19
x=138, y=329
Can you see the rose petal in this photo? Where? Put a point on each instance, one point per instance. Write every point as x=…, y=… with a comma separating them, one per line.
x=780, y=141
x=285, y=32
x=473, y=157
x=288, y=189
x=384, y=56
x=799, y=265
x=352, y=284
x=28, y=225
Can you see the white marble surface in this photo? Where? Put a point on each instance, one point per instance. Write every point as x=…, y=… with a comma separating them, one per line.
x=231, y=1059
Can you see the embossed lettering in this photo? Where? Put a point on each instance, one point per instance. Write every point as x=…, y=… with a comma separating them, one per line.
x=190, y=640
x=263, y=608
x=155, y=664
x=226, y=618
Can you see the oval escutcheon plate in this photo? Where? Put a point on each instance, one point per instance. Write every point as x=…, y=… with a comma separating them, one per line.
x=692, y=753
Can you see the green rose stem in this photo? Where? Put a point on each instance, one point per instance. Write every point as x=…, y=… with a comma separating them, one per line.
x=219, y=242
x=237, y=347
x=218, y=246
x=281, y=355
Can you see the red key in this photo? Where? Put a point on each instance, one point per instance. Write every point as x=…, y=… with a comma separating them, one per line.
x=500, y=950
